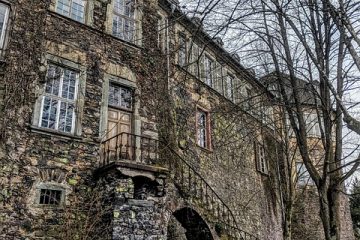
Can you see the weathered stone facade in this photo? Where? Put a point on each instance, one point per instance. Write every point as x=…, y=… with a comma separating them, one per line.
x=220, y=186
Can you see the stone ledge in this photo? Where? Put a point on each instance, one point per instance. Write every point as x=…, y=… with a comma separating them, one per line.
x=132, y=169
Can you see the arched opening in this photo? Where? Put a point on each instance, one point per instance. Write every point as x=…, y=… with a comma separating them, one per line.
x=144, y=188
x=187, y=224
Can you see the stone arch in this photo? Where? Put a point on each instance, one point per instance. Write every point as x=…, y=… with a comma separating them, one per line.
x=187, y=224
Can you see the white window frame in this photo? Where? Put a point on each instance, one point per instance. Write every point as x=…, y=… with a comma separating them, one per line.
x=80, y=94
x=60, y=100
x=5, y=26
x=135, y=19
x=88, y=11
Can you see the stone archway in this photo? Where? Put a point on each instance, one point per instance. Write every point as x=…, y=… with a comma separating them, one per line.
x=187, y=224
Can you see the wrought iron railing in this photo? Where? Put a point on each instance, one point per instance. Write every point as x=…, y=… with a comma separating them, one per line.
x=193, y=185
x=126, y=146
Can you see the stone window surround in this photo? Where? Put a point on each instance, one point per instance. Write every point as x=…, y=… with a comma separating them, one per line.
x=89, y=11
x=51, y=186
x=136, y=129
x=79, y=104
x=137, y=17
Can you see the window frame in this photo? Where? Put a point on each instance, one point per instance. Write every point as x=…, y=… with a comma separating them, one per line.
x=195, y=59
x=137, y=36
x=182, y=50
x=207, y=129
x=50, y=186
x=88, y=12
x=79, y=102
x=208, y=70
x=262, y=164
x=60, y=100
x=226, y=86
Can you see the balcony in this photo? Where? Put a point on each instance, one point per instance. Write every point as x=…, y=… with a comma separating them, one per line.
x=131, y=155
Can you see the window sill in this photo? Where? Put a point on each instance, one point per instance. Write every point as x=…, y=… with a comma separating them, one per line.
x=263, y=174
x=51, y=132
x=49, y=207
x=207, y=150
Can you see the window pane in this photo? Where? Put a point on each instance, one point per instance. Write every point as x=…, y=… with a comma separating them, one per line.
x=208, y=71
x=66, y=116
x=119, y=6
x=63, y=7
x=229, y=87
x=69, y=82
x=202, y=138
x=78, y=10
x=118, y=27
x=49, y=112
x=123, y=20
x=120, y=96
x=58, y=108
x=72, y=8
x=53, y=80
x=182, y=50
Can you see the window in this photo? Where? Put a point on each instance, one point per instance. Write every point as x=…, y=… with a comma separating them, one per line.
x=208, y=70
x=4, y=18
x=268, y=116
x=123, y=21
x=303, y=176
x=195, y=55
x=312, y=124
x=120, y=97
x=182, y=50
x=261, y=162
x=58, y=102
x=50, y=197
x=218, y=78
x=74, y=9
x=228, y=87
x=203, y=130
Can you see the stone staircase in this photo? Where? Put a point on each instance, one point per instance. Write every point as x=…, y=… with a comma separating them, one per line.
x=196, y=189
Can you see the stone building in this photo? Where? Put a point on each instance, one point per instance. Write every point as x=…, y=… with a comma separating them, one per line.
x=123, y=119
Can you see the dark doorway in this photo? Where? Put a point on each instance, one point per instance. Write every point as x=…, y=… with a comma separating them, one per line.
x=186, y=224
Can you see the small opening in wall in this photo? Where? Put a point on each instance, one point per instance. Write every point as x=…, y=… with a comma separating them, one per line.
x=50, y=197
